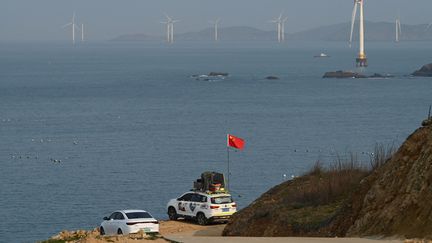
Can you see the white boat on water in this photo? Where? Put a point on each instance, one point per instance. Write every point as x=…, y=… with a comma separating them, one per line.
x=322, y=55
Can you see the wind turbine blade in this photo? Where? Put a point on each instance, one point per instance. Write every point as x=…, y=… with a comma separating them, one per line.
x=168, y=17
x=354, y=13
x=66, y=25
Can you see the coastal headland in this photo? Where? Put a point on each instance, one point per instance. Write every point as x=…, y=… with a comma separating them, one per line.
x=388, y=201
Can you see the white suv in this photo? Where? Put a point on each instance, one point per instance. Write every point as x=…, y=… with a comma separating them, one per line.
x=203, y=207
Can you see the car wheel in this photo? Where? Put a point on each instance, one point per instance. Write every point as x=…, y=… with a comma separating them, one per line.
x=172, y=213
x=201, y=219
x=102, y=231
x=119, y=232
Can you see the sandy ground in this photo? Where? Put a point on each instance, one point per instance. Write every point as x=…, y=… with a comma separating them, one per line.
x=189, y=232
x=197, y=239
x=184, y=228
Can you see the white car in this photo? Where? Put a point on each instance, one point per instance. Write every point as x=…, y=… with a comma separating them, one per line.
x=129, y=222
x=203, y=207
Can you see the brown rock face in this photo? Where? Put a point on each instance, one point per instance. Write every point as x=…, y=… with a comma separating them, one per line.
x=399, y=201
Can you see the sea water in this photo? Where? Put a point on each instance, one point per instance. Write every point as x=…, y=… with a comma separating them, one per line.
x=97, y=127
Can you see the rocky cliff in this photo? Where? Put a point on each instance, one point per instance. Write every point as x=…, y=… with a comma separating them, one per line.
x=392, y=200
x=398, y=201
x=425, y=71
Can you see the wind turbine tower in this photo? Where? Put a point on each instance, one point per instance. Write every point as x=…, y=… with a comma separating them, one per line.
x=170, y=28
x=216, y=29
x=82, y=32
x=398, y=30
x=74, y=27
x=283, y=28
x=361, y=60
x=279, y=22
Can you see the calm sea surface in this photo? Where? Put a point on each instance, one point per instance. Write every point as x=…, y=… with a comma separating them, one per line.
x=133, y=130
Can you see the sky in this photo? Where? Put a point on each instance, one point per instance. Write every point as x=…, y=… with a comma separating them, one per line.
x=25, y=20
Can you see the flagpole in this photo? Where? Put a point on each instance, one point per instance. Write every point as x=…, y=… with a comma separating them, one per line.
x=228, y=181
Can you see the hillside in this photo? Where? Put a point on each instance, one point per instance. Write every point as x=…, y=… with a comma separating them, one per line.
x=395, y=199
x=375, y=31
x=399, y=196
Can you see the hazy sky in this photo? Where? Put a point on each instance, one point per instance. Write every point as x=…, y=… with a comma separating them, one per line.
x=105, y=19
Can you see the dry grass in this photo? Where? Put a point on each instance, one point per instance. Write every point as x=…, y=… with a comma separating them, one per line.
x=334, y=183
x=381, y=155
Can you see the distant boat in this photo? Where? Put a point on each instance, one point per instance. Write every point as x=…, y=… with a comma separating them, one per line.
x=322, y=55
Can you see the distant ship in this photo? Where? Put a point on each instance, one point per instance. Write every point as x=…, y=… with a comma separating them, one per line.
x=322, y=55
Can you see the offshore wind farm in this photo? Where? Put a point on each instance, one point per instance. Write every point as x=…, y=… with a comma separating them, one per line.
x=108, y=104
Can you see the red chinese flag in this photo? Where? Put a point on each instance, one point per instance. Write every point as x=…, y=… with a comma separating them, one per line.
x=235, y=142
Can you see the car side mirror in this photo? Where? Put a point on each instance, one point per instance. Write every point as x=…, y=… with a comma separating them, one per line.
x=106, y=218
x=178, y=199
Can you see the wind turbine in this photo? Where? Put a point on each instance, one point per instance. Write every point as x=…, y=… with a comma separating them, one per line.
x=170, y=28
x=398, y=29
x=74, y=27
x=278, y=21
x=216, y=28
x=361, y=60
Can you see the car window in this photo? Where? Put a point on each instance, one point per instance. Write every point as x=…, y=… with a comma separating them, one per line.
x=119, y=216
x=186, y=197
x=202, y=198
x=138, y=215
x=221, y=200
x=196, y=198
x=112, y=216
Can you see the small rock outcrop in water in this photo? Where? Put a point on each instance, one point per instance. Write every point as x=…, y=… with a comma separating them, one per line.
x=343, y=74
x=272, y=78
x=425, y=71
x=378, y=75
x=349, y=74
x=393, y=200
x=213, y=74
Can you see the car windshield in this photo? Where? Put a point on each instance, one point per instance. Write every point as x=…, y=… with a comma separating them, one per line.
x=138, y=215
x=221, y=200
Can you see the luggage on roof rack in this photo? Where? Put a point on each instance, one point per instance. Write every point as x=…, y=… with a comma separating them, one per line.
x=210, y=182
